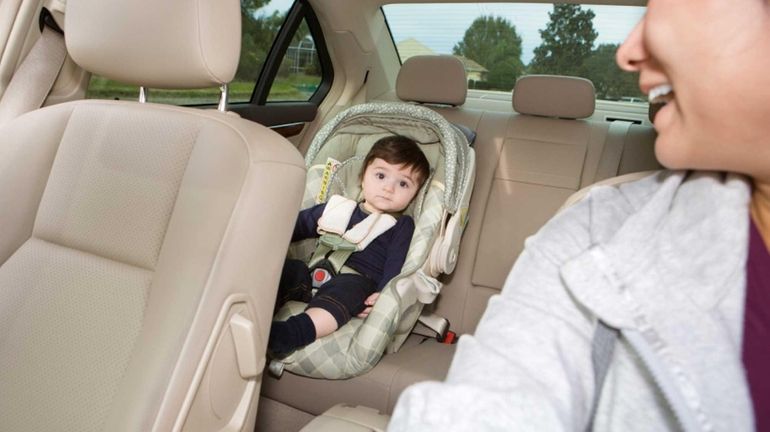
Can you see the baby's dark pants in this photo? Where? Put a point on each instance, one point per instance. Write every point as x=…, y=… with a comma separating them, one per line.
x=342, y=296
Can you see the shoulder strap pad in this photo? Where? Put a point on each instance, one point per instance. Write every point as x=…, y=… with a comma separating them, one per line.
x=336, y=215
x=369, y=229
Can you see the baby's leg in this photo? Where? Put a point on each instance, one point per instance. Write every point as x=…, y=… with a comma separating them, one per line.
x=338, y=300
x=333, y=305
x=323, y=321
x=295, y=283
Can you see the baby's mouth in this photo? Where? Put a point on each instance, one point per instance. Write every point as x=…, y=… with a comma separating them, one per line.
x=659, y=96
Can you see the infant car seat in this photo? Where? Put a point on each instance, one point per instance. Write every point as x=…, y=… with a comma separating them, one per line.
x=439, y=210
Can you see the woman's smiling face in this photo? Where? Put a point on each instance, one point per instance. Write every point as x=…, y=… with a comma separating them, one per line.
x=710, y=60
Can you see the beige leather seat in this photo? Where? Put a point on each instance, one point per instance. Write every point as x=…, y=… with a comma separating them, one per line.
x=541, y=162
x=141, y=244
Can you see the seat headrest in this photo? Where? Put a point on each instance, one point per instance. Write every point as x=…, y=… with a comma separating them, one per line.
x=554, y=96
x=438, y=79
x=156, y=43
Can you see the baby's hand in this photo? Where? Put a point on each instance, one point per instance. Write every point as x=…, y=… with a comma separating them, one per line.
x=369, y=302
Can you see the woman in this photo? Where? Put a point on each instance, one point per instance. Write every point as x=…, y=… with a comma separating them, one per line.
x=677, y=262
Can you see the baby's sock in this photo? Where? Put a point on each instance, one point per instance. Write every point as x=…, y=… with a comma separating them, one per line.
x=286, y=336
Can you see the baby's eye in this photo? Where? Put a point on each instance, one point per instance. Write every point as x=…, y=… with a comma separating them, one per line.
x=404, y=184
x=380, y=176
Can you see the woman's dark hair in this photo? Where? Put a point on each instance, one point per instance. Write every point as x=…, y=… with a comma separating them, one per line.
x=399, y=150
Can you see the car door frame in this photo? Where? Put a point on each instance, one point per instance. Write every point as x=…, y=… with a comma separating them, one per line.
x=288, y=117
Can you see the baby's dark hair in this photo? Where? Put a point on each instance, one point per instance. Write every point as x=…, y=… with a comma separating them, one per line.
x=399, y=150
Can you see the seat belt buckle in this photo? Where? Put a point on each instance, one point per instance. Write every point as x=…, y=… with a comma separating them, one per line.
x=320, y=276
x=448, y=337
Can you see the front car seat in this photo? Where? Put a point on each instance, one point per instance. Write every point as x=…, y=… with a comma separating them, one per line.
x=141, y=244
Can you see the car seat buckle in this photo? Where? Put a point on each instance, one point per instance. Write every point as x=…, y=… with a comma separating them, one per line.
x=320, y=276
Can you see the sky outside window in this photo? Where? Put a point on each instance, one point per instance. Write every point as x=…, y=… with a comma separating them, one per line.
x=491, y=57
x=441, y=26
x=500, y=42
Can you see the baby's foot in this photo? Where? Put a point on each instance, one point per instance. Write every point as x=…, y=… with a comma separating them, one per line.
x=281, y=338
x=287, y=336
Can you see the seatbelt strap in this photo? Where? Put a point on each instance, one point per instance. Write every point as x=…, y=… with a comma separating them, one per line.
x=33, y=80
x=613, y=150
x=602, y=347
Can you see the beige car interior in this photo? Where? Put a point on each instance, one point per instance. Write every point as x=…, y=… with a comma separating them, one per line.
x=19, y=37
x=133, y=269
x=528, y=164
x=135, y=289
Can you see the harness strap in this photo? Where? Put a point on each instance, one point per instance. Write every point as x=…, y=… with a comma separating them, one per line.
x=333, y=249
x=369, y=229
x=336, y=242
x=338, y=259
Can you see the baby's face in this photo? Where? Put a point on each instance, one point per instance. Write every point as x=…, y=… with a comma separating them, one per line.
x=388, y=188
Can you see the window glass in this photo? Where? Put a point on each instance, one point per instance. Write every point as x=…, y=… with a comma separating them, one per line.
x=299, y=75
x=260, y=20
x=500, y=42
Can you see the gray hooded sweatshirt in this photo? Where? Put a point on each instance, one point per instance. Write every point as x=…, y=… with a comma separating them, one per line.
x=662, y=260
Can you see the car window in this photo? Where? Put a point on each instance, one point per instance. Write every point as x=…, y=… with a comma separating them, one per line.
x=299, y=74
x=500, y=42
x=260, y=20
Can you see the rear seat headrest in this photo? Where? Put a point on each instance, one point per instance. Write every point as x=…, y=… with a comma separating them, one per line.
x=438, y=79
x=554, y=96
x=160, y=44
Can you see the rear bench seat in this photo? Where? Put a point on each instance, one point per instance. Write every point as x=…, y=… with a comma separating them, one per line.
x=528, y=164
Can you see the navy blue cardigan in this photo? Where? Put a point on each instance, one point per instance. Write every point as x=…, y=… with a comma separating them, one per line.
x=382, y=259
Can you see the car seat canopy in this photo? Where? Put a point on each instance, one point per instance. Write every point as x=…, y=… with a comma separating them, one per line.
x=417, y=122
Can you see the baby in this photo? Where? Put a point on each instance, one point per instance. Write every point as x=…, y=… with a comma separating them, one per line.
x=392, y=174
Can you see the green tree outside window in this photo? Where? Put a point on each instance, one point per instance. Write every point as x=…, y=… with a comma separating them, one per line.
x=493, y=43
x=567, y=41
